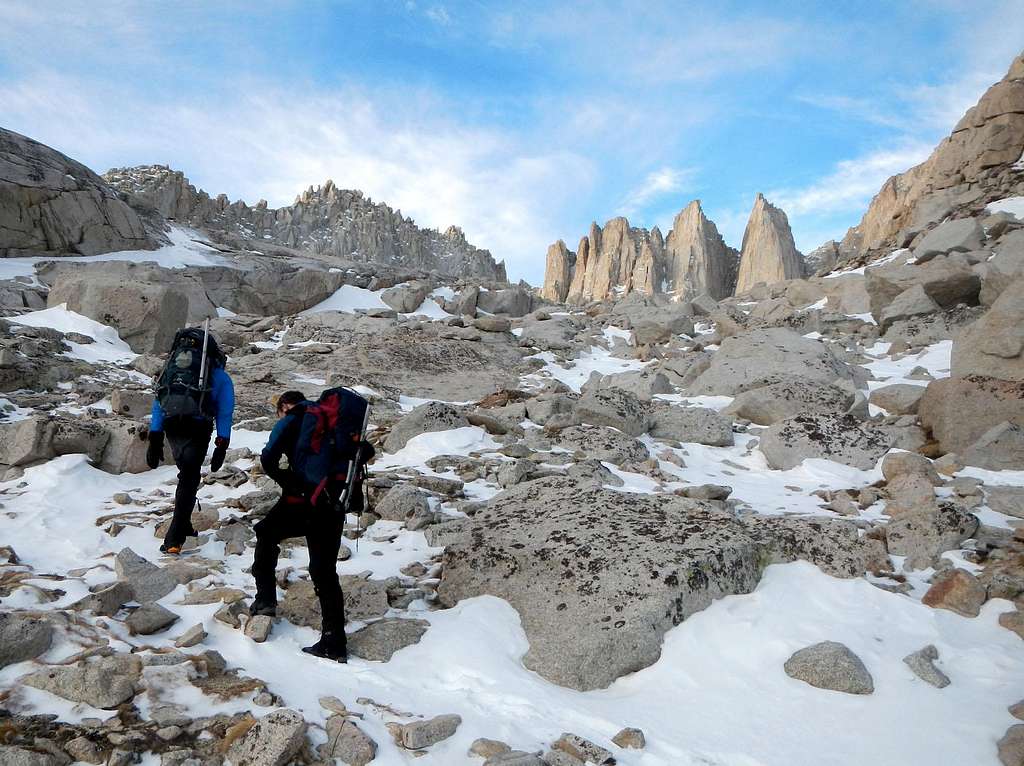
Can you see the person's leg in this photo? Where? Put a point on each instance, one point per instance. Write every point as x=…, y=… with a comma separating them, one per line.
x=189, y=447
x=324, y=542
x=284, y=520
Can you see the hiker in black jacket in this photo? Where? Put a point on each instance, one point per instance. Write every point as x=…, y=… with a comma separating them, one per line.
x=295, y=516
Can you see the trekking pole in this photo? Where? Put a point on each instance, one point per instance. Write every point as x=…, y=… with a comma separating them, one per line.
x=202, y=363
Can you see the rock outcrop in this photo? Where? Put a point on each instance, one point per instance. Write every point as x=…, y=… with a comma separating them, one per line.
x=976, y=164
x=697, y=260
x=325, y=220
x=51, y=205
x=769, y=254
x=620, y=259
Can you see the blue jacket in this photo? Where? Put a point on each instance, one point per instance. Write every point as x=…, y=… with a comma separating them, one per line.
x=222, y=391
x=282, y=443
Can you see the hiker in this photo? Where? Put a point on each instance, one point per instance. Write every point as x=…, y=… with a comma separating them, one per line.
x=304, y=509
x=194, y=392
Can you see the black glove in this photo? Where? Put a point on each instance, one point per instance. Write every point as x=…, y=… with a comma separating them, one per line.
x=155, y=450
x=219, y=452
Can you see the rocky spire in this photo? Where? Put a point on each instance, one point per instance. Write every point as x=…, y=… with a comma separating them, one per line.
x=769, y=254
x=616, y=259
x=558, y=272
x=697, y=259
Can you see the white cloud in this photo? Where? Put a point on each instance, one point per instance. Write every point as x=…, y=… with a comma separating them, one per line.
x=656, y=184
x=852, y=183
x=400, y=148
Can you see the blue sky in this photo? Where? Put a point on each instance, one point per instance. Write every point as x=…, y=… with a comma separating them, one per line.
x=519, y=121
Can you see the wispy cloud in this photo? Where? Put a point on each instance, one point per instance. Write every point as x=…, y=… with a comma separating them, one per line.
x=504, y=194
x=853, y=182
x=656, y=184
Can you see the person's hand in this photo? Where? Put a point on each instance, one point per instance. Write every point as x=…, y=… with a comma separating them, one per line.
x=220, y=450
x=155, y=450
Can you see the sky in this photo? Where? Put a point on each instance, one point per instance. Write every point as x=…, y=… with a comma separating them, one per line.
x=521, y=122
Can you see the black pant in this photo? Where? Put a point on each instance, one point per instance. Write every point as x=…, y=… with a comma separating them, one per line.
x=189, y=442
x=295, y=517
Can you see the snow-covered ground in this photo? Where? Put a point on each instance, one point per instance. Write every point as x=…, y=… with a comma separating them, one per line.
x=718, y=696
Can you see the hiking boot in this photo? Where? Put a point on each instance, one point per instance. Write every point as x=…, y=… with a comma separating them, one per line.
x=331, y=646
x=263, y=606
x=172, y=550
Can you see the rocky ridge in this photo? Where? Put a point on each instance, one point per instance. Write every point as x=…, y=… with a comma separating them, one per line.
x=692, y=260
x=324, y=220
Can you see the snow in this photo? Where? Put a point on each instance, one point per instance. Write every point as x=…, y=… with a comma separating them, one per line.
x=349, y=299
x=611, y=333
x=186, y=249
x=419, y=449
x=746, y=470
x=1012, y=205
x=223, y=312
x=108, y=346
x=935, y=358
x=595, y=359
x=429, y=309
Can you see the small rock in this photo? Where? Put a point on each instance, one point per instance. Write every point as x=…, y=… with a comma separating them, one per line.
x=1013, y=621
x=85, y=750
x=229, y=613
x=274, y=740
x=958, y=591
x=348, y=742
x=147, y=581
x=921, y=662
x=515, y=758
x=630, y=738
x=830, y=665
x=421, y=734
x=168, y=733
x=1017, y=710
x=333, y=705
x=22, y=638
x=1011, y=746
x=149, y=619
x=583, y=749
x=122, y=498
x=258, y=627
x=488, y=748
x=379, y=640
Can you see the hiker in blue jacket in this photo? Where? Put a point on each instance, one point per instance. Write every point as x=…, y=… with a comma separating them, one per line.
x=188, y=411
x=295, y=516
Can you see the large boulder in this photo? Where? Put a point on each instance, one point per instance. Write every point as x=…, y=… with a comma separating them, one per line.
x=691, y=424
x=842, y=438
x=959, y=235
x=512, y=301
x=406, y=298
x=1004, y=268
x=947, y=281
x=103, y=682
x=598, y=576
x=762, y=357
x=994, y=345
x=959, y=411
x=613, y=407
x=429, y=417
x=923, y=535
x=51, y=205
x=781, y=401
x=603, y=444
x=1001, y=448
x=145, y=315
